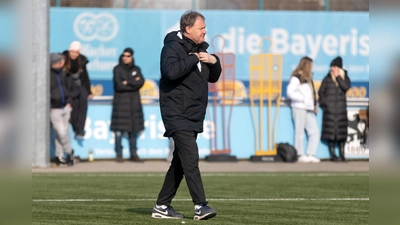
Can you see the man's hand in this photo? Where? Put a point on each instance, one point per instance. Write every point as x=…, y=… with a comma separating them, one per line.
x=206, y=58
x=124, y=82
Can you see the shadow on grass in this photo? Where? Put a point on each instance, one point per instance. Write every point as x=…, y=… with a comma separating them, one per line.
x=144, y=211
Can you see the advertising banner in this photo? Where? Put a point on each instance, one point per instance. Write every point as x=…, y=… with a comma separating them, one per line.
x=152, y=144
x=322, y=36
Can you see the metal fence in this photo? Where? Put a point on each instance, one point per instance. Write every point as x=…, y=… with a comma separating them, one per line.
x=303, y=5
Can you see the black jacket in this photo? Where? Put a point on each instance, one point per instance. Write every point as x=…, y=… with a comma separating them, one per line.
x=60, y=89
x=183, y=88
x=83, y=74
x=127, y=113
x=332, y=100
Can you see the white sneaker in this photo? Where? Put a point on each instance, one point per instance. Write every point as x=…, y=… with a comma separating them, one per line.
x=303, y=159
x=313, y=159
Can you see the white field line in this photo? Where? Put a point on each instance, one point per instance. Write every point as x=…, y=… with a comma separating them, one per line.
x=207, y=174
x=215, y=199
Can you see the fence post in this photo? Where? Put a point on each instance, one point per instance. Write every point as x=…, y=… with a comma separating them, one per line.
x=326, y=6
x=40, y=84
x=260, y=4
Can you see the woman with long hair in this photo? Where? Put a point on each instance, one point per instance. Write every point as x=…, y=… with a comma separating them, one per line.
x=301, y=92
x=75, y=68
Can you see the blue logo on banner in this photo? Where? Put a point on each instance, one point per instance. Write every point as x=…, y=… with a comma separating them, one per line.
x=102, y=27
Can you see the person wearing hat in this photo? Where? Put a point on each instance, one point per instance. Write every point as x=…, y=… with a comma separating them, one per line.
x=75, y=68
x=127, y=113
x=60, y=109
x=332, y=100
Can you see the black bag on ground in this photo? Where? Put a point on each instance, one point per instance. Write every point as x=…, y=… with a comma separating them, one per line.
x=287, y=152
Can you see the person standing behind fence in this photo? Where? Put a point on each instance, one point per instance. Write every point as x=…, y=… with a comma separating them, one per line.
x=301, y=92
x=332, y=99
x=186, y=68
x=60, y=109
x=75, y=67
x=127, y=112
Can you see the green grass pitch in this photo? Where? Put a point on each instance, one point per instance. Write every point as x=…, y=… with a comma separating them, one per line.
x=240, y=198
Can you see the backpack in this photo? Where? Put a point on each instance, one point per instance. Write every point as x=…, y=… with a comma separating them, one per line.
x=287, y=152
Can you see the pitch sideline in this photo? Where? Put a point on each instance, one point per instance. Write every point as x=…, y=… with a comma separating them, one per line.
x=215, y=199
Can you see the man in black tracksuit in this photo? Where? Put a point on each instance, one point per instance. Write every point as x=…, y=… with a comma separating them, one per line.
x=186, y=69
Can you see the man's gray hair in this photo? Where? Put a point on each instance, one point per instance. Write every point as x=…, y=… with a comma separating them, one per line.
x=189, y=18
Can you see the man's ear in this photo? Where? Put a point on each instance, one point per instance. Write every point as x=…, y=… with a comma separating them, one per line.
x=187, y=29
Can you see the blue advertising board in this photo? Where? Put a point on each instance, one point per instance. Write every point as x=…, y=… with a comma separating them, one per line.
x=152, y=144
x=8, y=23
x=104, y=33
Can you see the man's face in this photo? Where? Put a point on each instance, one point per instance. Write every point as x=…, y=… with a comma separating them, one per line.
x=197, y=32
x=73, y=54
x=126, y=58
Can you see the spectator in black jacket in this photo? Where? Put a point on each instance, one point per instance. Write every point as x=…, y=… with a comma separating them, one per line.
x=186, y=69
x=60, y=104
x=332, y=99
x=127, y=113
x=75, y=68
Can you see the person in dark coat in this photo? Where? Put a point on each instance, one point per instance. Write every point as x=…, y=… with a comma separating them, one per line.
x=60, y=109
x=75, y=68
x=332, y=99
x=186, y=70
x=127, y=112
